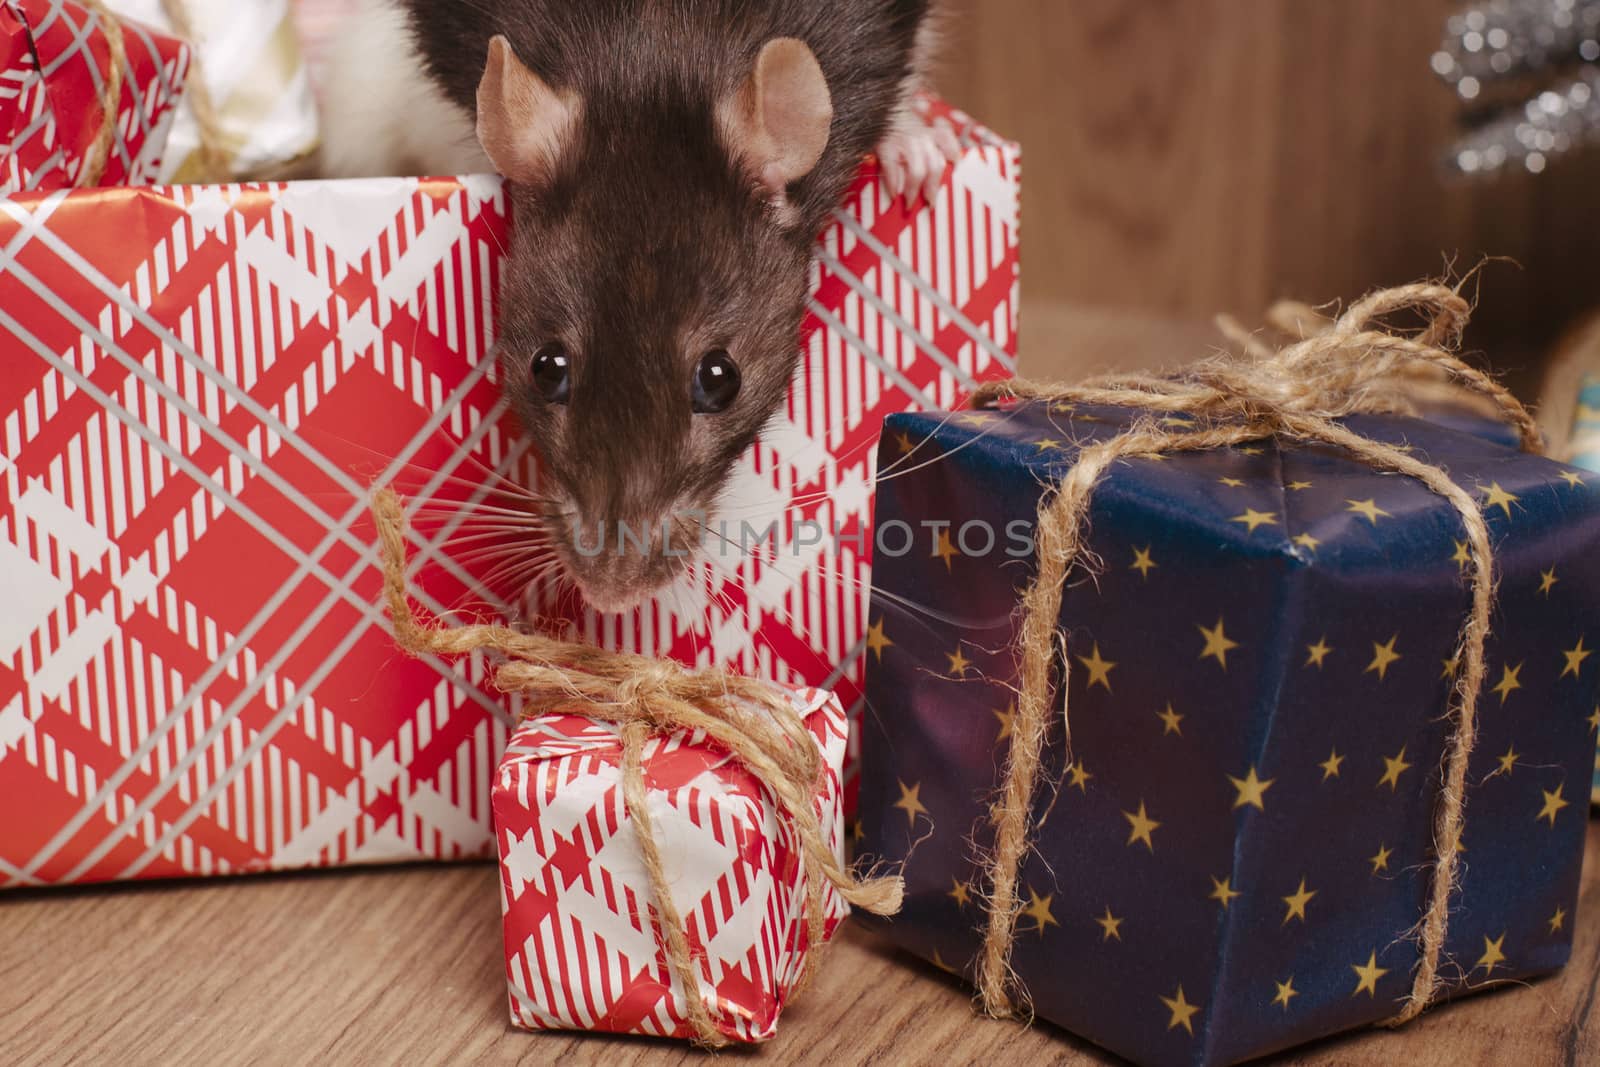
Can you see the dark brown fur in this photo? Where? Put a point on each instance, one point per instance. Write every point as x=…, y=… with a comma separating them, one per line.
x=649, y=246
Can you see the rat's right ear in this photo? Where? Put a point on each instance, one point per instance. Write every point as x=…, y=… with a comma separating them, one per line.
x=523, y=124
x=776, y=124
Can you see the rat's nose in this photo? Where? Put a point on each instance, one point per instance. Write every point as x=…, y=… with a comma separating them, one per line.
x=618, y=565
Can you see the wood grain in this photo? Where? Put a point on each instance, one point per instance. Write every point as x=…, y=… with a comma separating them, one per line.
x=1184, y=157
x=404, y=966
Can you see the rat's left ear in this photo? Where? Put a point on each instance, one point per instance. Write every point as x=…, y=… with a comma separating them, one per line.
x=523, y=124
x=776, y=123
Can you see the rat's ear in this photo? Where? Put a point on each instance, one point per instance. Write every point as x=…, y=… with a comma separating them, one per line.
x=523, y=124
x=776, y=123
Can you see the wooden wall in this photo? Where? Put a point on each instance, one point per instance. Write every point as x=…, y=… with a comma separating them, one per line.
x=1183, y=157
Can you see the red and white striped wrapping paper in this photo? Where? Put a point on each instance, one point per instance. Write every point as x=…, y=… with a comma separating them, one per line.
x=582, y=934
x=199, y=384
x=54, y=58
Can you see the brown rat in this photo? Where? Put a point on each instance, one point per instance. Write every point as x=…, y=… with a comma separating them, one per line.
x=672, y=163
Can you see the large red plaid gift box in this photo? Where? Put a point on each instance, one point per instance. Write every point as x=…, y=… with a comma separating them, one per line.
x=55, y=59
x=199, y=385
x=583, y=945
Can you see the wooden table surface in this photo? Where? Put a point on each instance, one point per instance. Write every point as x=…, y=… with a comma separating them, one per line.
x=405, y=966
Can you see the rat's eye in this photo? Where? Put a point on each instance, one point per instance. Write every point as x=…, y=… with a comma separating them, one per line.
x=552, y=373
x=716, y=382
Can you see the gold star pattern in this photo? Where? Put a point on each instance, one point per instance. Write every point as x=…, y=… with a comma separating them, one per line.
x=1330, y=766
x=1380, y=859
x=1140, y=827
x=1250, y=790
x=1307, y=542
x=1573, y=479
x=877, y=640
x=1450, y=666
x=1142, y=562
x=857, y=831
x=1496, y=497
x=1553, y=803
x=1222, y=891
x=1218, y=644
x=1594, y=720
x=1176, y=420
x=1111, y=924
x=1231, y=483
x=1099, y=669
x=1463, y=555
x=1297, y=487
x=1318, y=652
x=1509, y=682
x=1182, y=1012
x=1575, y=657
x=1038, y=910
x=973, y=418
x=1368, y=976
x=1078, y=776
x=1250, y=450
x=910, y=801
x=1046, y=444
x=1170, y=721
x=1368, y=507
x=1509, y=760
x=960, y=892
x=1286, y=992
x=1297, y=902
x=902, y=441
x=1253, y=518
x=1005, y=718
x=1558, y=920
x=1382, y=656
x=945, y=549
x=1393, y=768
x=959, y=664
x=1547, y=581
x=1493, y=954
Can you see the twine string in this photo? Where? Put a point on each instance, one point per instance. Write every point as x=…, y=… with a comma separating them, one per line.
x=93, y=168
x=644, y=697
x=1353, y=365
x=213, y=158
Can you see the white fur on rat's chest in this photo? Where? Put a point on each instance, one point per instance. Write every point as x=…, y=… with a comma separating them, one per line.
x=381, y=115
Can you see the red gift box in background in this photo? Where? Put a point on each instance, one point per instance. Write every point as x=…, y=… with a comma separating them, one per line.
x=55, y=56
x=583, y=948
x=198, y=385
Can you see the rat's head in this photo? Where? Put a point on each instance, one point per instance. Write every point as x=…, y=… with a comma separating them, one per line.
x=651, y=307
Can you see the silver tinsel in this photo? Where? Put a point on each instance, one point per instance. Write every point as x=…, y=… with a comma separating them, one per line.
x=1531, y=40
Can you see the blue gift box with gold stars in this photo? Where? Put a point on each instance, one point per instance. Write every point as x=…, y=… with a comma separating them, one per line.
x=1237, y=855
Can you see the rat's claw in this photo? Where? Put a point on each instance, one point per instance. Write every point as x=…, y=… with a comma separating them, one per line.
x=944, y=136
x=892, y=162
x=934, y=181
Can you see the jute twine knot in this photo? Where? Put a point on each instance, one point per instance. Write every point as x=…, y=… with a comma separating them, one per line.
x=748, y=719
x=1355, y=364
x=95, y=161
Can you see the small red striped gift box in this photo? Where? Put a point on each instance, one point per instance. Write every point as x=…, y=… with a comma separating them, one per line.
x=55, y=58
x=584, y=949
x=198, y=387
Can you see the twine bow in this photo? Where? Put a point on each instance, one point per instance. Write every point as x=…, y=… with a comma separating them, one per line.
x=1354, y=365
x=644, y=696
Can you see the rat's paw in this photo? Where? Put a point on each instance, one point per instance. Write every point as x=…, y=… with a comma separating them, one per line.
x=914, y=155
